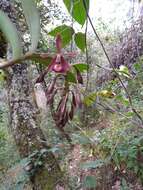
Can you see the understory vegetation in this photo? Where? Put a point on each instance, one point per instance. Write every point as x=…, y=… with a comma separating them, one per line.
x=85, y=81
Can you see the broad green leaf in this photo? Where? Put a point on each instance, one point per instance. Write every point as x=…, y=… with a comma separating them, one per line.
x=33, y=20
x=38, y=59
x=66, y=33
x=92, y=164
x=80, y=40
x=78, y=12
x=90, y=99
x=71, y=77
x=81, y=67
x=89, y=182
x=11, y=34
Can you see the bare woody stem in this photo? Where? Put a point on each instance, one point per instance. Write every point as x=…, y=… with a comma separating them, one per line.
x=111, y=64
x=27, y=56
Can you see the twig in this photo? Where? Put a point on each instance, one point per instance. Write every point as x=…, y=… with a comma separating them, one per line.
x=86, y=53
x=112, y=65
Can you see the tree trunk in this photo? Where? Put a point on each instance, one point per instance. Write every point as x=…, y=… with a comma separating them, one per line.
x=24, y=125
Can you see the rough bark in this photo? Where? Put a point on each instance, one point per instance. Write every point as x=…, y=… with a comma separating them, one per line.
x=24, y=123
x=24, y=127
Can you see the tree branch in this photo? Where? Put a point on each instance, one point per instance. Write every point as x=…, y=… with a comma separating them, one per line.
x=27, y=56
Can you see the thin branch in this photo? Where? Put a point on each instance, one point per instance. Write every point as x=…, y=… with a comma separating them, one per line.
x=27, y=56
x=112, y=110
x=86, y=53
x=111, y=64
x=101, y=67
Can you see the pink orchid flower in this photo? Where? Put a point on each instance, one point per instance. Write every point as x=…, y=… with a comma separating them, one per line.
x=58, y=63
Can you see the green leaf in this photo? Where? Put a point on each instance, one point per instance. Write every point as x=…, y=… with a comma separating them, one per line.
x=130, y=114
x=81, y=67
x=123, y=70
x=124, y=185
x=80, y=40
x=78, y=12
x=92, y=164
x=33, y=20
x=70, y=77
x=106, y=94
x=123, y=100
x=90, y=99
x=137, y=66
x=11, y=34
x=2, y=75
x=89, y=182
x=66, y=33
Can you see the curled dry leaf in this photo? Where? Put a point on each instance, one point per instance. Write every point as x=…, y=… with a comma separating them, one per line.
x=73, y=99
x=40, y=96
x=50, y=97
x=51, y=87
x=71, y=113
x=78, y=99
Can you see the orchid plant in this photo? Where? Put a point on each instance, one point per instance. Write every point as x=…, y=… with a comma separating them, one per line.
x=70, y=96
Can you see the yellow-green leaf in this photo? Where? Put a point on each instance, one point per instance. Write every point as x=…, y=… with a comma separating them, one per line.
x=90, y=99
x=106, y=94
